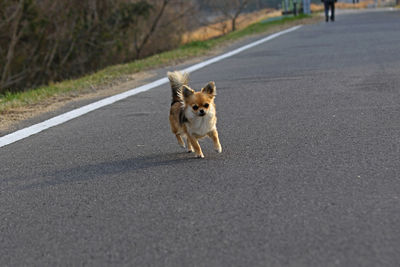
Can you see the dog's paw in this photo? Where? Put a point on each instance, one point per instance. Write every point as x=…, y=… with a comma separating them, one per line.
x=200, y=156
x=183, y=146
x=218, y=149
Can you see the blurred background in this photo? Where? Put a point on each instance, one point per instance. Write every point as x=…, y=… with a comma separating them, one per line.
x=44, y=41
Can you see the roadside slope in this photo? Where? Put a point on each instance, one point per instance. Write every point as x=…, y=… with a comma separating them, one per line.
x=20, y=110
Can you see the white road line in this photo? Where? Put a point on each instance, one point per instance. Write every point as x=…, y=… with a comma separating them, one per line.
x=37, y=128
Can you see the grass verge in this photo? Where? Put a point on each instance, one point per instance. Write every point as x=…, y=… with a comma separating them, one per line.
x=112, y=75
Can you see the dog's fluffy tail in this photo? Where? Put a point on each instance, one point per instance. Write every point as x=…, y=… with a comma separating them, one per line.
x=177, y=80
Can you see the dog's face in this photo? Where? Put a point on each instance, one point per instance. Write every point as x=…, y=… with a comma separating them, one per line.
x=201, y=103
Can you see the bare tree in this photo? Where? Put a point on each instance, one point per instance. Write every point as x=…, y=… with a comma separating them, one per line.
x=47, y=40
x=16, y=33
x=165, y=23
x=230, y=9
x=139, y=44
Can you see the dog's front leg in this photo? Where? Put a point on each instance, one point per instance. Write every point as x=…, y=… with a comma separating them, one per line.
x=195, y=144
x=189, y=145
x=214, y=136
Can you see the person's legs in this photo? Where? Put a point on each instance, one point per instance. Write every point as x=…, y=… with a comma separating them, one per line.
x=332, y=11
x=326, y=4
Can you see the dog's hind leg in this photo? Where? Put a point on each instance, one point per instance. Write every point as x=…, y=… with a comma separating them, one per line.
x=180, y=140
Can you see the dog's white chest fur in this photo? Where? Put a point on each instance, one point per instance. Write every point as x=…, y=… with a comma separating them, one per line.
x=200, y=126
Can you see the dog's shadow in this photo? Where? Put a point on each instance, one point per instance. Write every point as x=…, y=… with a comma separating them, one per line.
x=98, y=170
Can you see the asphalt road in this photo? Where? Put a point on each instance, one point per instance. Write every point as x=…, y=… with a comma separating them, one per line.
x=309, y=174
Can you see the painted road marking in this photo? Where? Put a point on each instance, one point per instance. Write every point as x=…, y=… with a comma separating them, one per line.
x=37, y=128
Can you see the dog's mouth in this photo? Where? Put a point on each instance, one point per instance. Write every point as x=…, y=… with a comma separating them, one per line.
x=202, y=114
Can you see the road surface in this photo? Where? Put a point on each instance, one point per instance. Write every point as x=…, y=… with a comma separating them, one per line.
x=309, y=174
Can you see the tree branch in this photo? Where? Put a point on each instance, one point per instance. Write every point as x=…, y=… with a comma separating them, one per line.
x=152, y=29
x=14, y=40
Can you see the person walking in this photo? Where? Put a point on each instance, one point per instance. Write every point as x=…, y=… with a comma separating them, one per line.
x=329, y=4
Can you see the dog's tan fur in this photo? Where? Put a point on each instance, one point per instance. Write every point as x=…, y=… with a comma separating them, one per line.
x=193, y=114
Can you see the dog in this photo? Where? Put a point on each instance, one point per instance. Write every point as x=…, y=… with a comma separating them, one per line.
x=193, y=114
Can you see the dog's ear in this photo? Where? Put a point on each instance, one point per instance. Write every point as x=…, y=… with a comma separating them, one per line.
x=187, y=91
x=210, y=89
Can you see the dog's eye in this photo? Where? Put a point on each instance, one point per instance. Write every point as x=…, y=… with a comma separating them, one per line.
x=195, y=107
x=206, y=105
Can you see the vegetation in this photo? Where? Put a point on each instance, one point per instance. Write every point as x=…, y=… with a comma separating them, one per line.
x=115, y=73
x=45, y=40
x=230, y=9
x=46, y=45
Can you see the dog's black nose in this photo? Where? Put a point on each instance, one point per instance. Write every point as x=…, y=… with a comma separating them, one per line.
x=201, y=111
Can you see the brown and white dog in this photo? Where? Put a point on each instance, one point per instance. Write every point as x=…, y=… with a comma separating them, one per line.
x=193, y=114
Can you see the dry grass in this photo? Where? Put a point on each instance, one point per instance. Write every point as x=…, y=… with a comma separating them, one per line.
x=16, y=110
x=360, y=5
x=317, y=8
x=15, y=107
x=221, y=28
x=341, y=5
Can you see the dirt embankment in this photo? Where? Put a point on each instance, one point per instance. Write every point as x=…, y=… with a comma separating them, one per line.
x=9, y=120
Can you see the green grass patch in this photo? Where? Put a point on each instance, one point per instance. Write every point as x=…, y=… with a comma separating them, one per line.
x=112, y=74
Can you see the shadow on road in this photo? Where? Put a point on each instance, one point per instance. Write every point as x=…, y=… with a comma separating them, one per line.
x=94, y=171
